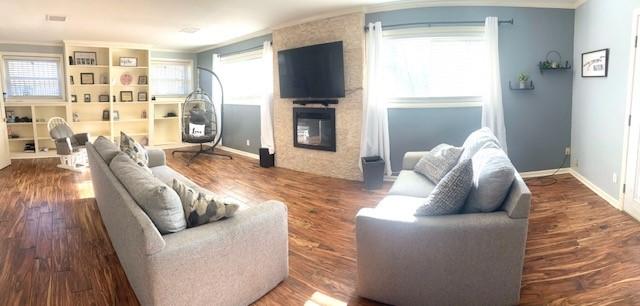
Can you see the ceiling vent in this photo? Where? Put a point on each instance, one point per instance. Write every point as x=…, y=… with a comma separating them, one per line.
x=190, y=30
x=56, y=18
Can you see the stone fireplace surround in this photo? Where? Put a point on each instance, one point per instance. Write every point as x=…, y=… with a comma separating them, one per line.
x=343, y=163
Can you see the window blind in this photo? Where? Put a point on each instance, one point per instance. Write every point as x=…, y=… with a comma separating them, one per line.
x=170, y=78
x=33, y=77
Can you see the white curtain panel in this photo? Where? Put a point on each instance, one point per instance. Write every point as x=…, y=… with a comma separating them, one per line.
x=266, y=107
x=492, y=111
x=215, y=90
x=375, y=127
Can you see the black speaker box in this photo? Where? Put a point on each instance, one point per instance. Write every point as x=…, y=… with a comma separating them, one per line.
x=266, y=160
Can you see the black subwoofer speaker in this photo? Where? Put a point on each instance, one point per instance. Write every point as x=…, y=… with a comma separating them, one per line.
x=266, y=160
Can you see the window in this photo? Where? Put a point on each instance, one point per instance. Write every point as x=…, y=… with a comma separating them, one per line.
x=33, y=77
x=242, y=77
x=171, y=77
x=443, y=64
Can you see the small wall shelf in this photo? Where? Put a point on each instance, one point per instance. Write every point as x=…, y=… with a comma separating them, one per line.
x=543, y=68
x=548, y=63
x=529, y=87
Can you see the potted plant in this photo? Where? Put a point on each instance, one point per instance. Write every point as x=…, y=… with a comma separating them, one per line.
x=523, y=78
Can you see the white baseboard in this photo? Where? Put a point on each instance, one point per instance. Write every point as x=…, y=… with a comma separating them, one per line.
x=601, y=193
x=240, y=152
x=540, y=173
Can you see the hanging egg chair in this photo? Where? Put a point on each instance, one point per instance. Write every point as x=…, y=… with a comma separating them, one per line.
x=200, y=122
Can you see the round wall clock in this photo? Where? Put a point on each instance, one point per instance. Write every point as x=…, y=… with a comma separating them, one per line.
x=126, y=79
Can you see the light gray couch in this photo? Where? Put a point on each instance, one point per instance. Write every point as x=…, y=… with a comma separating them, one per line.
x=462, y=259
x=234, y=261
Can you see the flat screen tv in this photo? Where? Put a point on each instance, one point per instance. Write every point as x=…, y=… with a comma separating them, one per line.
x=312, y=72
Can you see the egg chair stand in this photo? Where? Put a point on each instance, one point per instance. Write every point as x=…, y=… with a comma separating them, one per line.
x=200, y=122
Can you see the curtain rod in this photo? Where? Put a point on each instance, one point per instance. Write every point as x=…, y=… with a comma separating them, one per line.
x=254, y=48
x=432, y=23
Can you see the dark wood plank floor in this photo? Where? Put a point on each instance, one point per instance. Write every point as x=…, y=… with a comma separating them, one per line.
x=54, y=249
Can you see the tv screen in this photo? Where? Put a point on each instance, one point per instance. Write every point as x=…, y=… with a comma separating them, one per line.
x=312, y=72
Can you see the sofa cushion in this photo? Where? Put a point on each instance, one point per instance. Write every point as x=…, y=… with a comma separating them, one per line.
x=200, y=208
x=400, y=206
x=166, y=175
x=449, y=196
x=156, y=199
x=476, y=140
x=135, y=150
x=106, y=149
x=411, y=183
x=436, y=163
x=493, y=175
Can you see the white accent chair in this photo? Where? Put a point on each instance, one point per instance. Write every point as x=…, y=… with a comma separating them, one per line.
x=69, y=146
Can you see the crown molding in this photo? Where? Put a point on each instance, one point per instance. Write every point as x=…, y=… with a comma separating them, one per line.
x=190, y=51
x=408, y=4
x=31, y=43
x=232, y=41
x=579, y=3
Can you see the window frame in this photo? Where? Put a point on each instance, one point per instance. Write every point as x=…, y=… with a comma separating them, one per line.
x=435, y=31
x=27, y=56
x=190, y=72
x=235, y=58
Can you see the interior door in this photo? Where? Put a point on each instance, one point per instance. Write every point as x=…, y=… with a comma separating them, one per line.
x=5, y=159
x=632, y=181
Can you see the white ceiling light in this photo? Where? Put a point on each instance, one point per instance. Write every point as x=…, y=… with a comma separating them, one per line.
x=190, y=30
x=56, y=18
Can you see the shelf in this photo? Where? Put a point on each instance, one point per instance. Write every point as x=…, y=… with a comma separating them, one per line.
x=530, y=87
x=130, y=120
x=91, y=121
x=22, y=139
x=89, y=85
x=166, y=118
x=89, y=103
x=128, y=67
x=19, y=123
x=87, y=66
x=131, y=85
x=131, y=103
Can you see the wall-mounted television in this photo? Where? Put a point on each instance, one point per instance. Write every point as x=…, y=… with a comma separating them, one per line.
x=312, y=72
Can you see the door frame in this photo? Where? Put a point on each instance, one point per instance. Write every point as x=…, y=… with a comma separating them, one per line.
x=635, y=32
x=3, y=118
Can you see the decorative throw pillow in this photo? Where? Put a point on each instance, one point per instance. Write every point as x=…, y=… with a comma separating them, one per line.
x=200, y=208
x=449, y=195
x=135, y=150
x=436, y=163
x=493, y=175
x=476, y=140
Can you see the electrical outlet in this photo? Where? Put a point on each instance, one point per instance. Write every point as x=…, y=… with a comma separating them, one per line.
x=615, y=178
x=567, y=151
x=248, y=143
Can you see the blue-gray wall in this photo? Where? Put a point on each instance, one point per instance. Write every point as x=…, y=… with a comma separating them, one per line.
x=538, y=122
x=241, y=122
x=599, y=103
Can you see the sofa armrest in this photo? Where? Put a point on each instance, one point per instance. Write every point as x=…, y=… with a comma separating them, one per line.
x=408, y=260
x=411, y=159
x=234, y=261
x=157, y=157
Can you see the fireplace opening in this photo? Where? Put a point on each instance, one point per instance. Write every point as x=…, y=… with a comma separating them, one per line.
x=314, y=128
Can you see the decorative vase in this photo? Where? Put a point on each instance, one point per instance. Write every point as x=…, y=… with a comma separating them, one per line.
x=523, y=84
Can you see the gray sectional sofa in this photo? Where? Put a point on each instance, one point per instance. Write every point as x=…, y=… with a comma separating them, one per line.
x=460, y=259
x=234, y=261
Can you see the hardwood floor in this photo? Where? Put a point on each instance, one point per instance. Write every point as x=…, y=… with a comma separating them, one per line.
x=54, y=249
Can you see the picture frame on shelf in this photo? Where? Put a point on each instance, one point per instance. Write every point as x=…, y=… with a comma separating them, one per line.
x=595, y=64
x=142, y=96
x=116, y=115
x=74, y=99
x=105, y=115
x=128, y=61
x=87, y=78
x=103, y=98
x=87, y=98
x=86, y=58
x=126, y=96
x=143, y=80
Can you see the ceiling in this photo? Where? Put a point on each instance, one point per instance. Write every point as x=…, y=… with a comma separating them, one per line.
x=158, y=22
